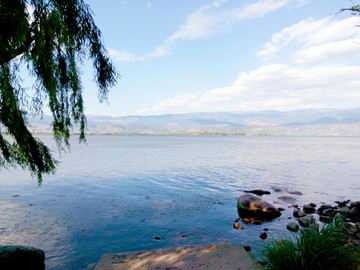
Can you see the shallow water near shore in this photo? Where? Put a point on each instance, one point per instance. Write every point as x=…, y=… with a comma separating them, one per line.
x=126, y=193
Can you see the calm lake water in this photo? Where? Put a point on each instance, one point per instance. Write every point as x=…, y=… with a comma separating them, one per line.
x=117, y=193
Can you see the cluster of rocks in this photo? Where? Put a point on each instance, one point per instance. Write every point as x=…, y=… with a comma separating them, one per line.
x=254, y=210
x=346, y=211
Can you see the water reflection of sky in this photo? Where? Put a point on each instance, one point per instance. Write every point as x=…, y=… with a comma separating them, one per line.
x=119, y=193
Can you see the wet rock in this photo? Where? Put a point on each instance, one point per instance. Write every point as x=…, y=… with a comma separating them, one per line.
x=323, y=207
x=263, y=235
x=258, y=192
x=325, y=219
x=354, y=214
x=330, y=212
x=344, y=210
x=306, y=221
x=308, y=209
x=247, y=248
x=252, y=206
x=293, y=226
x=236, y=219
x=236, y=226
x=157, y=238
x=287, y=199
x=355, y=204
x=295, y=205
x=312, y=205
x=342, y=203
x=278, y=188
x=281, y=209
x=21, y=257
x=295, y=192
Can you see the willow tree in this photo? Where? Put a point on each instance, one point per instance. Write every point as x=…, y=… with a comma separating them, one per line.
x=50, y=39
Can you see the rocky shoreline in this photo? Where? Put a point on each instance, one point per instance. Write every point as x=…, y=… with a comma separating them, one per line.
x=255, y=210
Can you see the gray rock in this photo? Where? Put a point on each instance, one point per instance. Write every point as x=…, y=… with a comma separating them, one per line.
x=344, y=210
x=287, y=199
x=306, y=221
x=21, y=257
x=293, y=226
x=252, y=206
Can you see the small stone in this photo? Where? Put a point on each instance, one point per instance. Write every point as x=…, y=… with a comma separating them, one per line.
x=312, y=205
x=157, y=238
x=295, y=205
x=287, y=199
x=306, y=221
x=293, y=226
x=237, y=219
x=295, y=192
x=266, y=229
x=223, y=240
x=263, y=235
x=236, y=226
x=247, y=248
x=341, y=203
x=258, y=192
x=14, y=196
x=281, y=209
x=308, y=209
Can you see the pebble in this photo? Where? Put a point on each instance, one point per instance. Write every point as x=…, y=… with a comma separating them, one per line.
x=263, y=235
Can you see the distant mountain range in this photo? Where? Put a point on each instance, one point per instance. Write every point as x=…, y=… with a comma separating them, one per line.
x=324, y=122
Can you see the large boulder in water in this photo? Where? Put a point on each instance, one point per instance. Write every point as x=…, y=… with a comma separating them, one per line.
x=21, y=257
x=252, y=206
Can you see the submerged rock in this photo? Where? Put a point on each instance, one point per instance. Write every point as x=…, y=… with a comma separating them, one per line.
x=293, y=226
x=287, y=199
x=252, y=206
x=21, y=257
x=257, y=192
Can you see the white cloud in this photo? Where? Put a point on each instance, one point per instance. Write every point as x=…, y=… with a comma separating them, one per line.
x=121, y=56
x=206, y=21
x=170, y=104
x=315, y=39
x=276, y=87
x=148, y=5
x=210, y=20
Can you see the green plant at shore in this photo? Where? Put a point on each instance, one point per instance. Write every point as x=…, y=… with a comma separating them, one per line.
x=314, y=250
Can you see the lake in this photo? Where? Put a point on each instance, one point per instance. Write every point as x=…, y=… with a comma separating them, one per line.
x=119, y=193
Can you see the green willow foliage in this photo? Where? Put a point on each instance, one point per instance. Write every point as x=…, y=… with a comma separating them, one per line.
x=51, y=41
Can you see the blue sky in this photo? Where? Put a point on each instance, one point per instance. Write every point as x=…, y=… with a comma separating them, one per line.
x=179, y=56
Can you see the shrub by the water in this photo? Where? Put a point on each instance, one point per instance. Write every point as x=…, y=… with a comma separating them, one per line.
x=314, y=250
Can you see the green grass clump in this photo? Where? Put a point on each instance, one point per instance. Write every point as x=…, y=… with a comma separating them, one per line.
x=314, y=250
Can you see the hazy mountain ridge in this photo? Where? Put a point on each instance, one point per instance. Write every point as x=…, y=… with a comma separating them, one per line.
x=326, y=122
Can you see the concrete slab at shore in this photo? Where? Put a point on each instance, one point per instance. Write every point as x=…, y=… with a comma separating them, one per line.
x=226, y=257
